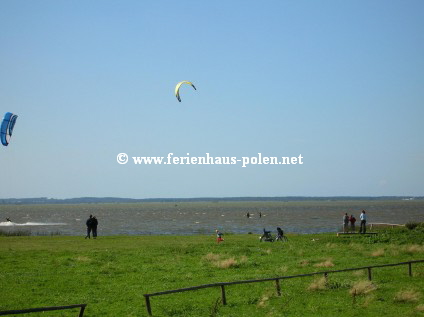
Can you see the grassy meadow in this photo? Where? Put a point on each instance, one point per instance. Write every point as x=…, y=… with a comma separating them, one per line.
x=112, y=273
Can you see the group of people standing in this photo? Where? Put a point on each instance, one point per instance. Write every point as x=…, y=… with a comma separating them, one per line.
x=91, y=227
x=351, y=220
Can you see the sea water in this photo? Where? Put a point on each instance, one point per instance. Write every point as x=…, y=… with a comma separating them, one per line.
x=190, y=218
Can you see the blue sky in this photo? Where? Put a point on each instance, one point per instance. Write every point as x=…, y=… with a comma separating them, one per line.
x=338, y=82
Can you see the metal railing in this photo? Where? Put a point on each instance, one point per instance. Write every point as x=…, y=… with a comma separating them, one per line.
x=275, y=279
x=43, y=309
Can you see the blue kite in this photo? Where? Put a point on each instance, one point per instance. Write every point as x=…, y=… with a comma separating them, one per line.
x=6, y=127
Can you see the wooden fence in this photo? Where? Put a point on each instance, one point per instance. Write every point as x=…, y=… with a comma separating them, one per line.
x=43, y=309
x=274, y=279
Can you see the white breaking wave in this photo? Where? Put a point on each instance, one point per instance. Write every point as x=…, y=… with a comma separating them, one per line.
x=12, y=224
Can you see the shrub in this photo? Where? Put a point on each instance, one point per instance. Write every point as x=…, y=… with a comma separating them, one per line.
x=379, y=252
x=283, y=269
x=225, y=264
x=304, y=263
x=362, y=287
x=318, y=284
x=15, y=233
x=414, y=248
x=412, y=225
x=407, y=296
x=217, y=261
x=211, y=257
x=326, y=263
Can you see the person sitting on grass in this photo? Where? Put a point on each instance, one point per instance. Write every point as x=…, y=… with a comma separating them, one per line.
x=280, y=235
x=267, y=236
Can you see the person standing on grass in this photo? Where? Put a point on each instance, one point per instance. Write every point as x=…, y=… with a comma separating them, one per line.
x=352, y=221
x=94, y=224
x=218, y=236
x=363, y=218
x=89, y=224
x=345, y=223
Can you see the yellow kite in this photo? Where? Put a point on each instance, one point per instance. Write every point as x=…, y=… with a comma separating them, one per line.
x=177, y=88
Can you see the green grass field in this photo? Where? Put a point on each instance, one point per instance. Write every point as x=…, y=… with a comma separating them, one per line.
x=111, y=274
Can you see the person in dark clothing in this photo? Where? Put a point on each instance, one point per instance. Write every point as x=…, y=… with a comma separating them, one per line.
x=267, y=236
x=89, y=224
x=94, y=224
x=280, y=235
x=352, y=221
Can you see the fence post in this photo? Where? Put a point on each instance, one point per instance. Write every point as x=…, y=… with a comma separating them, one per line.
x=224, y=299
x=326, y=277
x=369, y=273
x=410, y=268
x=149, y=309
x=277, y=285
x=82, y=311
